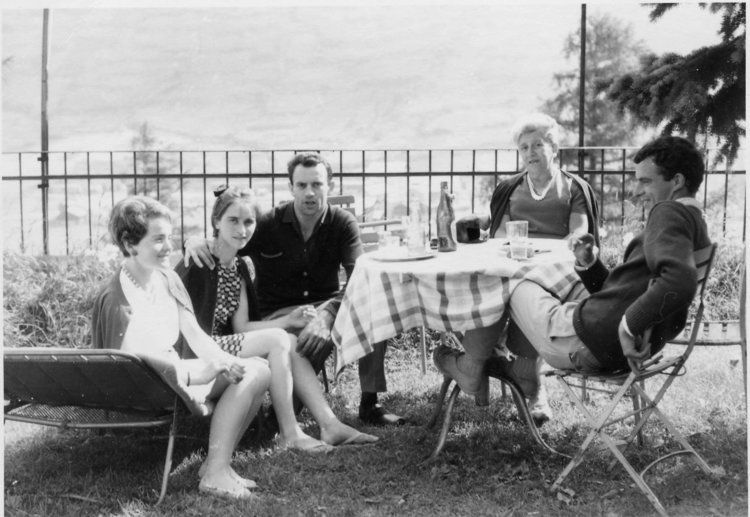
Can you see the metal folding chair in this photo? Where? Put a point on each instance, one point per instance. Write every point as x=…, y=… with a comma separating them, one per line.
x=631, y=383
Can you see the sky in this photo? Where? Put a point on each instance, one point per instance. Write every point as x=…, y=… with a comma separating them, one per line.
x=374, y=75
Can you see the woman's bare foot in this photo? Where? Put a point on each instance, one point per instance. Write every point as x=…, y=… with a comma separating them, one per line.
x=338, y=433
x=247, y=483
x=303, y=442
x=223, y=484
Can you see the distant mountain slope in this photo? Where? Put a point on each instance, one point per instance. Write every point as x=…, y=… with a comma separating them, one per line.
x=269, y=78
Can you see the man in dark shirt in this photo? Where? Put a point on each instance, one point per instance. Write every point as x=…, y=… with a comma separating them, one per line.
x=653, y=287
x=298, y=249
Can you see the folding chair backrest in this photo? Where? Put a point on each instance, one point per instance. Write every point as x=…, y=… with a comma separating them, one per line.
x=344, y=202
x=703, y=259
x=105, y=379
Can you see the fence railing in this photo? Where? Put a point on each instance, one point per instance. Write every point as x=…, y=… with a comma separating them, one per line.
x=59, y=202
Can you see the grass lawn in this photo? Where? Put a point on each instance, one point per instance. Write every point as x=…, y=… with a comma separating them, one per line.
x=490, y=466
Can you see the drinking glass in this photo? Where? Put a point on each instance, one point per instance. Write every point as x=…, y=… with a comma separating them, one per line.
x=517, y=231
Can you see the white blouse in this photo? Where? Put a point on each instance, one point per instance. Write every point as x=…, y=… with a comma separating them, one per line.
x=154, y=325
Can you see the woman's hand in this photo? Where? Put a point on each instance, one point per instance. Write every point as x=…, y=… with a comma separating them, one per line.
x=235, y=372
x=228, y=366
x=300, y=317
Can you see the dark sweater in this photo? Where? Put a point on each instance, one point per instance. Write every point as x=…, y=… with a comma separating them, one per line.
x=202, y=283
x=664, y=252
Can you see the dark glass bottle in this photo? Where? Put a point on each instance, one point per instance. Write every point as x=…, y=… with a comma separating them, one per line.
x=444, y=217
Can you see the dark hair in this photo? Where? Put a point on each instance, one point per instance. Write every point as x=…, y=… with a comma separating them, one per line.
x=674, y=154
x=226, y=196
x=128, y=221
x=308, y=160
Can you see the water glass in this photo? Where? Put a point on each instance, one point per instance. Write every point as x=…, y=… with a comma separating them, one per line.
x=517, y=231
x=519, y=250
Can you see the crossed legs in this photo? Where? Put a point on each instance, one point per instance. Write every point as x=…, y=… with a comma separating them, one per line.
x=237, y=405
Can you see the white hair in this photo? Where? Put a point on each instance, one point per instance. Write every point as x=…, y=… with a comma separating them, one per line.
x=534, y=122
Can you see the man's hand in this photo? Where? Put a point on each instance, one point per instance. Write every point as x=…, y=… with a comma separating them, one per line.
x=197, y=249
x=315, y=338
x=584, y=248
x=633, y=348
x=300, y=317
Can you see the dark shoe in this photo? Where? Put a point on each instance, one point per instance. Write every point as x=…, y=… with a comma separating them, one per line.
x=522, y=372
x=376, y=415
x=540, y=412
x=453, y=364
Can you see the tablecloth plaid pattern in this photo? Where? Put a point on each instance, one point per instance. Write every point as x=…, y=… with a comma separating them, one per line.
x=455, y=291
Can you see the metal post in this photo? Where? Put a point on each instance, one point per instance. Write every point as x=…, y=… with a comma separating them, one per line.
x=582, y=90
x=44, y=158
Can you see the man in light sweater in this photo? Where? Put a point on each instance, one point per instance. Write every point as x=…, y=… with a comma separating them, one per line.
x=601, y=328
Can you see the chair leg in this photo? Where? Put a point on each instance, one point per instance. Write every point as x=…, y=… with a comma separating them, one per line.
x=168, y=459
x=446, y=424
x=439, y=402
x=638, y=408
x=687, y=448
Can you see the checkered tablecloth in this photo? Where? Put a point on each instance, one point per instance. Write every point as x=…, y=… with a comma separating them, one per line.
x=454, y=291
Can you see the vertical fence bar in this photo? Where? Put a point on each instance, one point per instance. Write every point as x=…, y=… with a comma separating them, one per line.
x=205, y=201
x=385, y=208
x=182, y=201
x=495, y=174
x=429, y=191
x=385, y=183
x=158, y=190
x=408, y=185
x=135, y=172
x=473, y=176
x=88, y=195
x=622, y=190
x=226, y=167
x=451, y=176
x=273, y=178
x=111, y=179
x=65, y=201
x=20, y=198
x=250, y=169
x=601, y=177
x=341, y=172
x=705, y=183
x=726, y=194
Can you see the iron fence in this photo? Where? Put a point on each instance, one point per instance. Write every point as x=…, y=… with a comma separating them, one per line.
x=59, y=202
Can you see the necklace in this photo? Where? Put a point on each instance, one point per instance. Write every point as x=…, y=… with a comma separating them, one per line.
x=540, y=196
x=147, y=290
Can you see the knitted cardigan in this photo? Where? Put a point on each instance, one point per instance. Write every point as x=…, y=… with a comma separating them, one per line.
x=202, y=284
x=112, y=312
x=501, y=199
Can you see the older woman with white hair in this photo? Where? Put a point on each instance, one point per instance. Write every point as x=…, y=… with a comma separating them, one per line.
x=553, y=201
x=556, y=204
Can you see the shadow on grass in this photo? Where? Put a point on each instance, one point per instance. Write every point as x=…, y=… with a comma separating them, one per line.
x=490, y=466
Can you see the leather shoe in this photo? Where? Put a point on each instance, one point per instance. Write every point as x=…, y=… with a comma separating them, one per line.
x=522, y=372
x=377, y=415
x=540, y=411
x=453, y=364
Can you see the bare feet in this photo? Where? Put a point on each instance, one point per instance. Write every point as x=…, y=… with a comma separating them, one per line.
x=247, y=483
x=338, y=433
x=305, y=443
x=223, y=484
